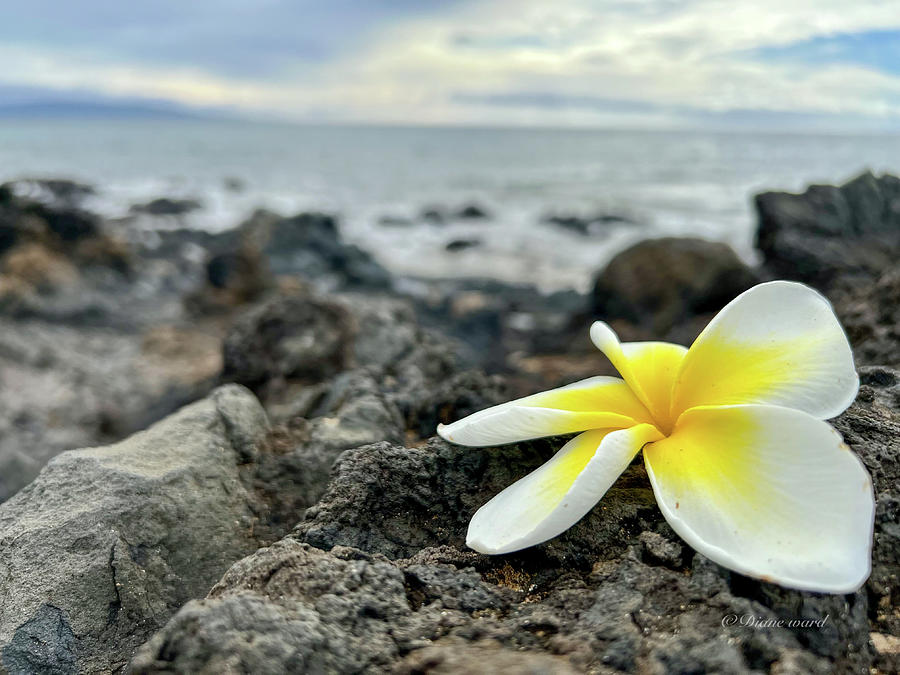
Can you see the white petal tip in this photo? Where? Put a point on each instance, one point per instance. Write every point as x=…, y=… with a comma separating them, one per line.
x=479, y=546
x=602, y=335
x=442, y=431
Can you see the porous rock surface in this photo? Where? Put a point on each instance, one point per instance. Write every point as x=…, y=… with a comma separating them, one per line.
x=377, y=577
x=107, y=543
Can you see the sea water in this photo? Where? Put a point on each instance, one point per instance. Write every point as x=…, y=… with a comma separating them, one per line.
x=378, y=180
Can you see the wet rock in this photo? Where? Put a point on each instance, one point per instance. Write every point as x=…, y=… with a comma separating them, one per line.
x=165, y=206
x=462, y=244
x=585, y=225
x=62, y=192
x=234, y=184
x=43, y=644
x=660, y=283
x=68, y=224
x=107, y=543
x=395, y=221
x=433, y=215
x=472, y=212
x=310, y=245
x=573, y=223
x=829, y=232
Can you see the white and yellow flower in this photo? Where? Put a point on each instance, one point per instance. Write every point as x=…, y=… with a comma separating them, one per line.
x=741, y=462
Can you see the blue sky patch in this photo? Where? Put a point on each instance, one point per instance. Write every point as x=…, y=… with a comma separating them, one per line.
x=876, y=50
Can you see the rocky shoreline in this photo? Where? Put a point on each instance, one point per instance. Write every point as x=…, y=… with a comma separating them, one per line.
x=262, y=490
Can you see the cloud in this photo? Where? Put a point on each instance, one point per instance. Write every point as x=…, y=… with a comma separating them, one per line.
x=571, y=62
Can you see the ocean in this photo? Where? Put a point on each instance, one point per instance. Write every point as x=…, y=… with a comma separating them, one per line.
x=379, y=180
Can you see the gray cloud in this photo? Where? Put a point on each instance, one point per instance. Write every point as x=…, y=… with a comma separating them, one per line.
x=228, y=37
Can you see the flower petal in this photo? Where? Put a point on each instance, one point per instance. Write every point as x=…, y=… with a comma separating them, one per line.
x=597, y=402
x=778, y=343
x=557, y=495
x=649, y=368
x=767, y=491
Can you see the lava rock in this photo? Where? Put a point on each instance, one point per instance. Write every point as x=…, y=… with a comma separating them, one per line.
x=870, y=313
x=585, y=225
x=165, y=206
x=107, y=543
x=60, y=192
x=233, y=278
x=395, y=501
x=310, y=245
x=292, y=336
x=660, y=283
x=294, y=466
x=68, y=224
x=391, y=586
x=462, y=244
x=472, y=212
x=395, y=221
x=830, y=232
x=433, y=215
x=287, y=608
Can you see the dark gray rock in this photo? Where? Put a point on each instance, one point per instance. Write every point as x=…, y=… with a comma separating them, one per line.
x=648, y=601
x=301, y=338
x=428, y=404
x=393, y=587
x=617, y=596
x=62, y=192
x=292, y=336
x=287, y=608
x=491, y=319
x=433, y=215
x=233, y=279
x=395, y=221
x=395, y=501
x=68, y=224
x=660, y=283
x=293, y=467
x=164, y=206
x=829, y=232
x=461, y=245
x=472, y=212
x=870, y=313
x=586, y=225
x=43, y=644
x=107, y=543
x=310, y=245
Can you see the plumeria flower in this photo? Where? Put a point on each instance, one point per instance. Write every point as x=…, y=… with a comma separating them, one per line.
x=742, y=464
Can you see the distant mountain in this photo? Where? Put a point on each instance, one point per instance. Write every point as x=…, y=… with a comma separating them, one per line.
x=80, y=109
x=35, y=103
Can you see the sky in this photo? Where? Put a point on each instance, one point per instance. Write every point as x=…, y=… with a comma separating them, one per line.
x=606, y=63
